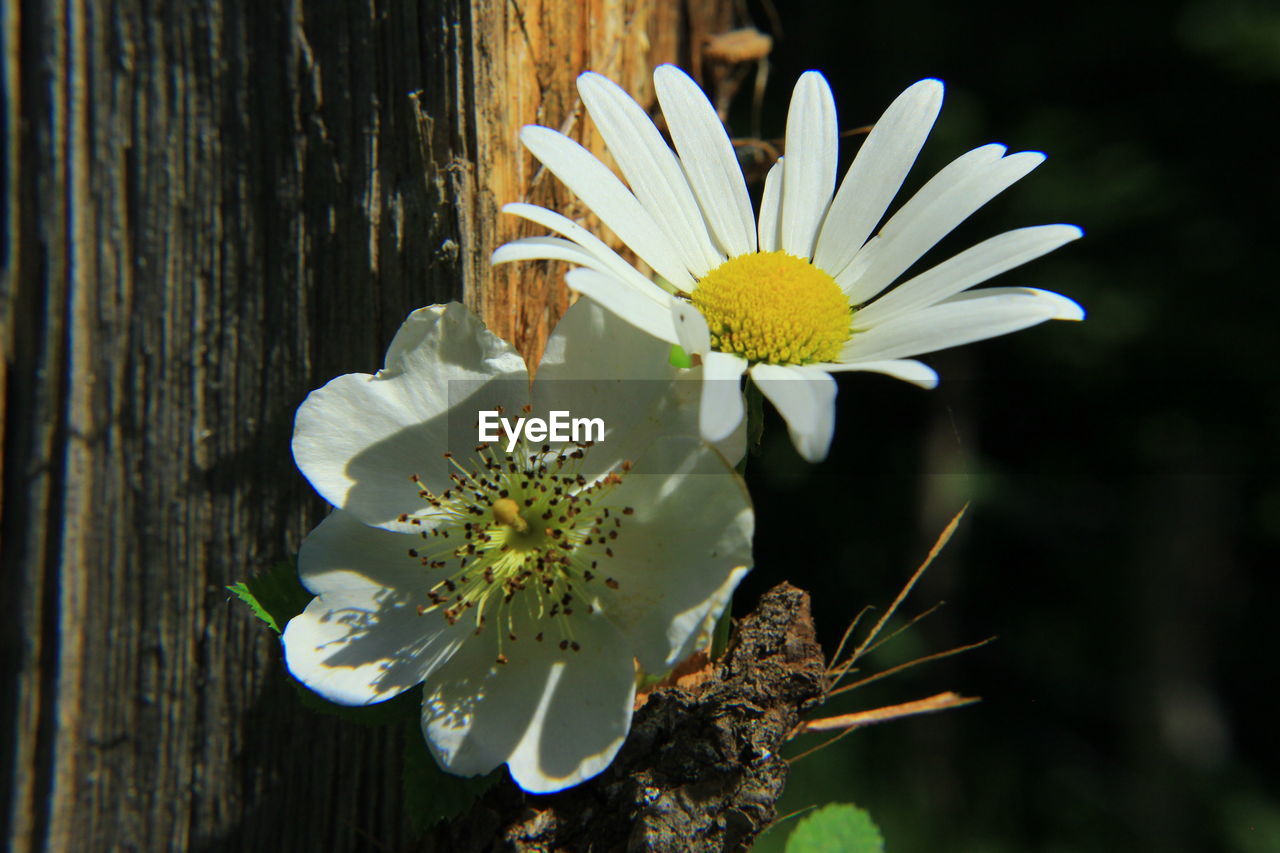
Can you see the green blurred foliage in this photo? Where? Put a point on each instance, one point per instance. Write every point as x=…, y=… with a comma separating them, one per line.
x=1124, y=533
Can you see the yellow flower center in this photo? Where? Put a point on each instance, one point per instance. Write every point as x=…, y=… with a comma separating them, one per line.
x=775, y=308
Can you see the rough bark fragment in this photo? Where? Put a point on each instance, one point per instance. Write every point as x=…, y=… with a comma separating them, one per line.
x=699, y=771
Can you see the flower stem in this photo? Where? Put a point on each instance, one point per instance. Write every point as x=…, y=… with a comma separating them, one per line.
x=755, y=424
x=755, y=432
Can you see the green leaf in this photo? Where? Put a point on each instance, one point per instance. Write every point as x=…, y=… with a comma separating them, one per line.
x=241, y=591
x=837, y=828
x=680, y=358
x=275, y=595
x=430, y=794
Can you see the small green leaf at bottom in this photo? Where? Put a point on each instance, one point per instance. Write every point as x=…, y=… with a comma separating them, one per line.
x=275, y=595
x=837, y=828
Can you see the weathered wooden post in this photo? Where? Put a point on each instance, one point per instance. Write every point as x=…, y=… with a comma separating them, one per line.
x=210, y=208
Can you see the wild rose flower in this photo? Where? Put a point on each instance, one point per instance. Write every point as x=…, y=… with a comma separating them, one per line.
x=521, y=589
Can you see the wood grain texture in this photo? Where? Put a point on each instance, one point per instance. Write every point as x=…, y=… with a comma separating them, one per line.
x=210, y=209
x=525, y=68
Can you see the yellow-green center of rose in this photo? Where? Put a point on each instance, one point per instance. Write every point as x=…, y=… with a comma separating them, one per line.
x=775, y=308
x=521, y=534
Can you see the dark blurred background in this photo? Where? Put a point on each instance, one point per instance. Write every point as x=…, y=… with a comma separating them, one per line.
x=1121, y=474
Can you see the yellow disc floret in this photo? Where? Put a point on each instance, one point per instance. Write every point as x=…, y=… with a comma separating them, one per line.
x=775, y=308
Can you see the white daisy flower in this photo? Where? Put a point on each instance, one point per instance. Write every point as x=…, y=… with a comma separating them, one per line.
x=524, y=588
x=790, y=296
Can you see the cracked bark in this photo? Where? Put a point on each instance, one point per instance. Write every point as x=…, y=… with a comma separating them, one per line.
x=211, y=208
x=699, y=771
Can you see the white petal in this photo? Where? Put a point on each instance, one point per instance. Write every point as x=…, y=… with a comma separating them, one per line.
x=962, y=319
x=547, y=248
x=596, y=247
x=708, y=159
x=812, y=144
x=606, y=195
x=362, y=639
x=597, y=365
x=360, y=437
x=691, y=327
x=972, y=266
x=555, y=717
x=558, y=249
x=651, y=168
x=969, y=165
x=592, y=344
x=908, y=370
x=711, y=610
x=680, y=555
x=877, y=173
x=771, y=208
x=734, y=447
x=915, y=228
x=640, y=311
x=1063, y=307
x=722, y=409
x=806, y=399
